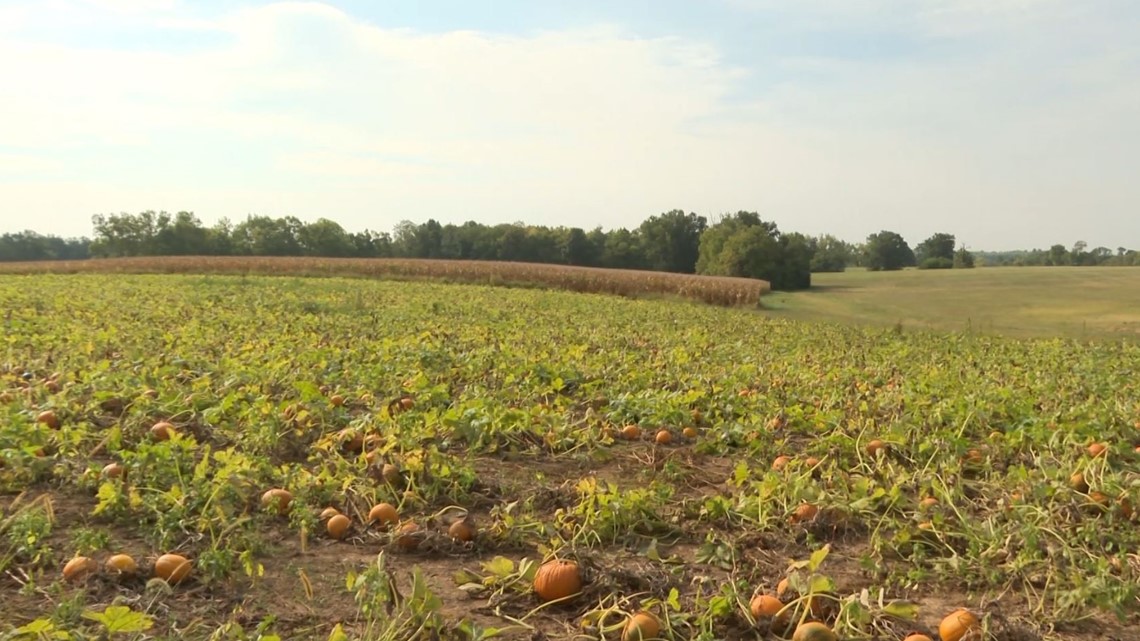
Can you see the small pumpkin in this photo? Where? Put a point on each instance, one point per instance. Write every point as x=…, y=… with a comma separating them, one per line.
x=162, y=431
x=805, y=512
x=765, y=605
x=113, y=470
x=337, y=526
x=49, y=418
x=631, y=432
x=813, y=631
x=409, y=536
x=557, y=579
x=462, y=530
x=328, y=513
x=781, y=462
x=406, y=403
x=664, y=437
x=641, y=627
x=121, y=564
x=811, y=461
x=337, y=400
x=277, y=499
x=689, y=432
x=172, y=568
x=875, y=447
x=351, y=440
x=957, y=625
x=917, y=637
x=383, y=513
x=782, y=587
x=391, y=474
x=928, y=502
x=1077, y=482
x=79, y=568
x=1097, y=450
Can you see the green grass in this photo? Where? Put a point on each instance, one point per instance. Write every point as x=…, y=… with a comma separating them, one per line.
x=1078, y=302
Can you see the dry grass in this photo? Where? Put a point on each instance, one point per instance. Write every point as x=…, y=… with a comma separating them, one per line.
x=715, y=290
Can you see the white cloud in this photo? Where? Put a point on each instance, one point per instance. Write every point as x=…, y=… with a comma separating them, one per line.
x=315, y=113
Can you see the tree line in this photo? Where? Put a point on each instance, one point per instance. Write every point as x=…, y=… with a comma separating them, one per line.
x=741, y=244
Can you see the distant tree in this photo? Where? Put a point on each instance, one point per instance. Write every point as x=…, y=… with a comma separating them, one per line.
x=937, y=246
x=672, y=241
x=963, y=259
x=265, y=236
x=829, y=254
x=887, y=251
x=623, y=250
x=128, y=234
x=183, y=235
x=325, y=238
x=1058, y=255
x=577, y=249
x=744, y=245
x=1077, y=254
x=29, y=245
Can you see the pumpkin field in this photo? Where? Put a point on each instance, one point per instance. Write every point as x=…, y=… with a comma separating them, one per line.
x=246, y=457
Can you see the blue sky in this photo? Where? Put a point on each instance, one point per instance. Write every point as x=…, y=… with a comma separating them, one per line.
x=1011, y=123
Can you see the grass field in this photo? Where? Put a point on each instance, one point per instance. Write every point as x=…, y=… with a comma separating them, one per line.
x=681, y=459
x=1094, y=302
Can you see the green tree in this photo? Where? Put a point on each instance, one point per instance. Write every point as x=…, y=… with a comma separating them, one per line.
x=744, y=245
x=936, y=251
x=829, y=254
x=576, y=248
x=325, y=238
x=672, y=241
x=887, y=251
x=963, y=259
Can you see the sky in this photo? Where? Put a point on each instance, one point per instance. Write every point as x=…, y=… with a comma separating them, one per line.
x=1009, y=123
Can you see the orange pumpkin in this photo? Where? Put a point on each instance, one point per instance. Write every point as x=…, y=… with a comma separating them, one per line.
x=337, y=526
x=813, y=631
x=876, y=446
x=689, y=432
x=631, y=432
x=337, y=400
x=804, y=512
x=557, y=579
x=1077, y=482
x=383, y=513
x=49, y=418
x=1124, y=508
x=277, y=499
x=113, y=470
x=408, y=537
x=811, y=461
x=461, y=530
x=391, y=474
x=917, y=637
x=928, y=502
x=1097, y=450
x=780, y=463
x=957, y=625
x=765, y=605
x=172, y=568
x=407, y=403
x=664, y=437
x=79, y=568
x=121, y=564
x=782, y=587
x=162, y=431
x=328, y=513
x=641, y=627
